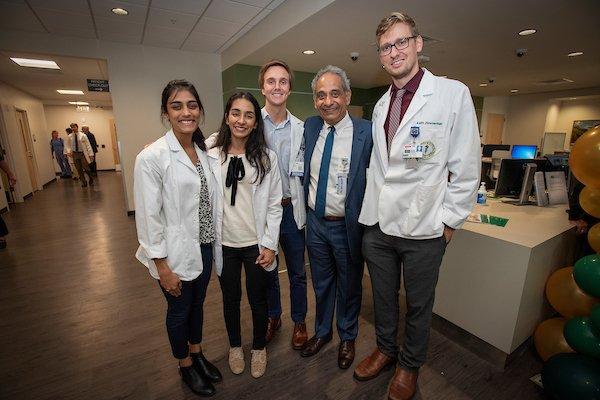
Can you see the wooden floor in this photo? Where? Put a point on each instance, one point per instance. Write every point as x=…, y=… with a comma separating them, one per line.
x=80, y=318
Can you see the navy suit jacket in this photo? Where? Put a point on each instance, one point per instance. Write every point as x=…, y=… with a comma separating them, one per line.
x=362, y=143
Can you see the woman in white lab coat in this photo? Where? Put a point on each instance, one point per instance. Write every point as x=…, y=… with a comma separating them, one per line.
x=248, y=218
x=174, y=191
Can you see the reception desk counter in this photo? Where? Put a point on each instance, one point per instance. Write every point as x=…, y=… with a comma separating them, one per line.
x=492, y=279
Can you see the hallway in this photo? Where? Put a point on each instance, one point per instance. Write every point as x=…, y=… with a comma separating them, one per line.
x=80, y=318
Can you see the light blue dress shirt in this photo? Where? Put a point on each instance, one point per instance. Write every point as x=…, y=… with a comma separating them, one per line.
x=279, y=139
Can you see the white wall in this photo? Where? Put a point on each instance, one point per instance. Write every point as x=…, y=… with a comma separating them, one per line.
x=12, y=99
x=98, y=119
x=575, y=110
x=137, y=76
x=493, y=105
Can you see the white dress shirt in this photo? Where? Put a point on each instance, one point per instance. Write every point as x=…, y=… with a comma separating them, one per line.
x=279, y=139
x=338, y=166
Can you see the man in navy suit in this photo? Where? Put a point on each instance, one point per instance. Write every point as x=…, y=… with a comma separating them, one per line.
x=337, y=151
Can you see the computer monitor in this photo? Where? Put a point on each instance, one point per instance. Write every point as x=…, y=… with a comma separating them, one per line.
x=523, y=151
x=510, y=177
x=489, y=148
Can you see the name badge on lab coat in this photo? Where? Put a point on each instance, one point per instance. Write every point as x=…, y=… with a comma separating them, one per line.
x=298, y=166
x=412, y=150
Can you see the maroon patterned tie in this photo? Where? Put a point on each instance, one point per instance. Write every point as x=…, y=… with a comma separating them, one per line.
x=394, y=117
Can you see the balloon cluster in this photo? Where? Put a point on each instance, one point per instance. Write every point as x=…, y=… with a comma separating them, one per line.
x=570, y=344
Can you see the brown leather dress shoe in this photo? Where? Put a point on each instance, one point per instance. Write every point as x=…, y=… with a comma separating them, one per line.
x=346, y=354
x=372, y=366
x=299, y=337
x=313, y=345
x=273, y=324
x=403, y=385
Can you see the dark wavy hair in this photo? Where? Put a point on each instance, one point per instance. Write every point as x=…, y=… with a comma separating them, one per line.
x=256, y=146
x=173, y=87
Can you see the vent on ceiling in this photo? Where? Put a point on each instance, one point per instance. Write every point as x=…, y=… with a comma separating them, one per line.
x=559, y=81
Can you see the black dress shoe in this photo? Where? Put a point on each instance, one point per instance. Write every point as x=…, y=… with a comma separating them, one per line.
x=346, y=354
x=314, y=345
x=196, y=382
x=204, y=367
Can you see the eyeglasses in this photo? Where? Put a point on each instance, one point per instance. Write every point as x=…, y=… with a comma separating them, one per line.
x=400, y=44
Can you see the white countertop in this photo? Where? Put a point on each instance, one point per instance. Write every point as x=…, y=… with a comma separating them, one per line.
x=528, y=226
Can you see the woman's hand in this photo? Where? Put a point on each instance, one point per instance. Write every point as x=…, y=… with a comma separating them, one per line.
x=266, y=257
x=168, y=279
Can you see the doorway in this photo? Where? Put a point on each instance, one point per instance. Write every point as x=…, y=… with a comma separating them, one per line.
x=25, y=134
x=115, y=148
x=495, y=127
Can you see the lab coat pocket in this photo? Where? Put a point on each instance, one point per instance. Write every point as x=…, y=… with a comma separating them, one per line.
x=175, y=246
x=421, y=219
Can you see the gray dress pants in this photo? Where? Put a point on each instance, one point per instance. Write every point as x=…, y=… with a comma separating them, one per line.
x=418, y=261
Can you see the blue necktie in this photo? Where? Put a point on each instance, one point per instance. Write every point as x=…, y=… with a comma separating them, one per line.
x=324, y=175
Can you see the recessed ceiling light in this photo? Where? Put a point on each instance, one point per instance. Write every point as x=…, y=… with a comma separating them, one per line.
x=514, y=90
x=483, y=84
x=69, y=91
x=79, y=103
x=119, y=11
x=527, y=32
x=308, y=52
x=575, y=54
x=28, y=62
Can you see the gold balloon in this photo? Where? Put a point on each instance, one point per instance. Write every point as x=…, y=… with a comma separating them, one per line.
x=594, y=237
x=585, y=158
x=566, y=297
x=549, y=338
x=589, y=199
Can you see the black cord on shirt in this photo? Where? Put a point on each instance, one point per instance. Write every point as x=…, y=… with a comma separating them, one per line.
x=235, y=173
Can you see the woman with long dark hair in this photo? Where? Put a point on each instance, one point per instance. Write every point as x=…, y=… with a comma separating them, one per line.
x=248, y=218
x=175, y=194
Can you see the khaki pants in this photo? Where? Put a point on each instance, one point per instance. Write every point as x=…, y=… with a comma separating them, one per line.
x=82, y=166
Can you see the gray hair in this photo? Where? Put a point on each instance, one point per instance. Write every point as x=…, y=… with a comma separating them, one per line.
x=331, y=69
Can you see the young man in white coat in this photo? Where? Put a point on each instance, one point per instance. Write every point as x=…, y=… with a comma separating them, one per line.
x=421, y=186
x=284, y=135
x=80, y=150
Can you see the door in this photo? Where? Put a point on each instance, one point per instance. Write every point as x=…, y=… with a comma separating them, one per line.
x=495, y=126
x=115, y=148
x=28, y=146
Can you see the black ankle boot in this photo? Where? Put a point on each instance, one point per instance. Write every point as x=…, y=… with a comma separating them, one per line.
x=196, y=382
x=204, y=367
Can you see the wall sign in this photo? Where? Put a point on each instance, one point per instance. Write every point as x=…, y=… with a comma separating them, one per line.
x=97, y=85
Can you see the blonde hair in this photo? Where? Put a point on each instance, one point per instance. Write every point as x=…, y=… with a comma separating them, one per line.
x=393, y=19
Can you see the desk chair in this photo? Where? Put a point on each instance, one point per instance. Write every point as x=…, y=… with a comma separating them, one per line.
x=497, y=156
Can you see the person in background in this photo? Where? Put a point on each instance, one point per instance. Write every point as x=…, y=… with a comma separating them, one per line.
x=175, y=195
x=92, y=139
x=247, y=225
x=70, y=162
x=57, y=149
x=80, y=150
x=12, y=181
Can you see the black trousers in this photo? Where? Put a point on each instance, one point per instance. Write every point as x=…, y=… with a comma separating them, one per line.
x=185, y=312
x=256, y=289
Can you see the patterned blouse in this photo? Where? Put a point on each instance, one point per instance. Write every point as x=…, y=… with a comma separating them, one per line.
x=207, y=230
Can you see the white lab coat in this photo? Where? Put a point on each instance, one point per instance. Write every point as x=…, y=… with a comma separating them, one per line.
x=266, y=203
x=167, y=199
x=416, y=203
x=296, y=188
x=84, y=146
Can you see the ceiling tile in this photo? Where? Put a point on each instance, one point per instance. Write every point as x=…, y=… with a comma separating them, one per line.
x=204, y=42
x=261, y=15
x=102, y=8
x=75, y=6
x=274, y=4
x=19, y=17
x=171, y=19
x=117, y=37
x=256, y=3
x=164, y=37
x=195, y=7
x=56, y=20
x=218, y=27
x=229, y=11
x=119, y=27
x=88, y=33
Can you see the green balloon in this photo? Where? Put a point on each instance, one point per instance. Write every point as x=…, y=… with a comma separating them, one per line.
x=569, y=376
x=587, y=274
x=581, y=336
x=595, y=318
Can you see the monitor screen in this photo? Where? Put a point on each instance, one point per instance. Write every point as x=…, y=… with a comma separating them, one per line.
x=523, y=151
x=488, y=149
x=510, y=177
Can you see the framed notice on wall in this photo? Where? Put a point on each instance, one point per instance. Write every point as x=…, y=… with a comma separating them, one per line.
x=581, y=127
